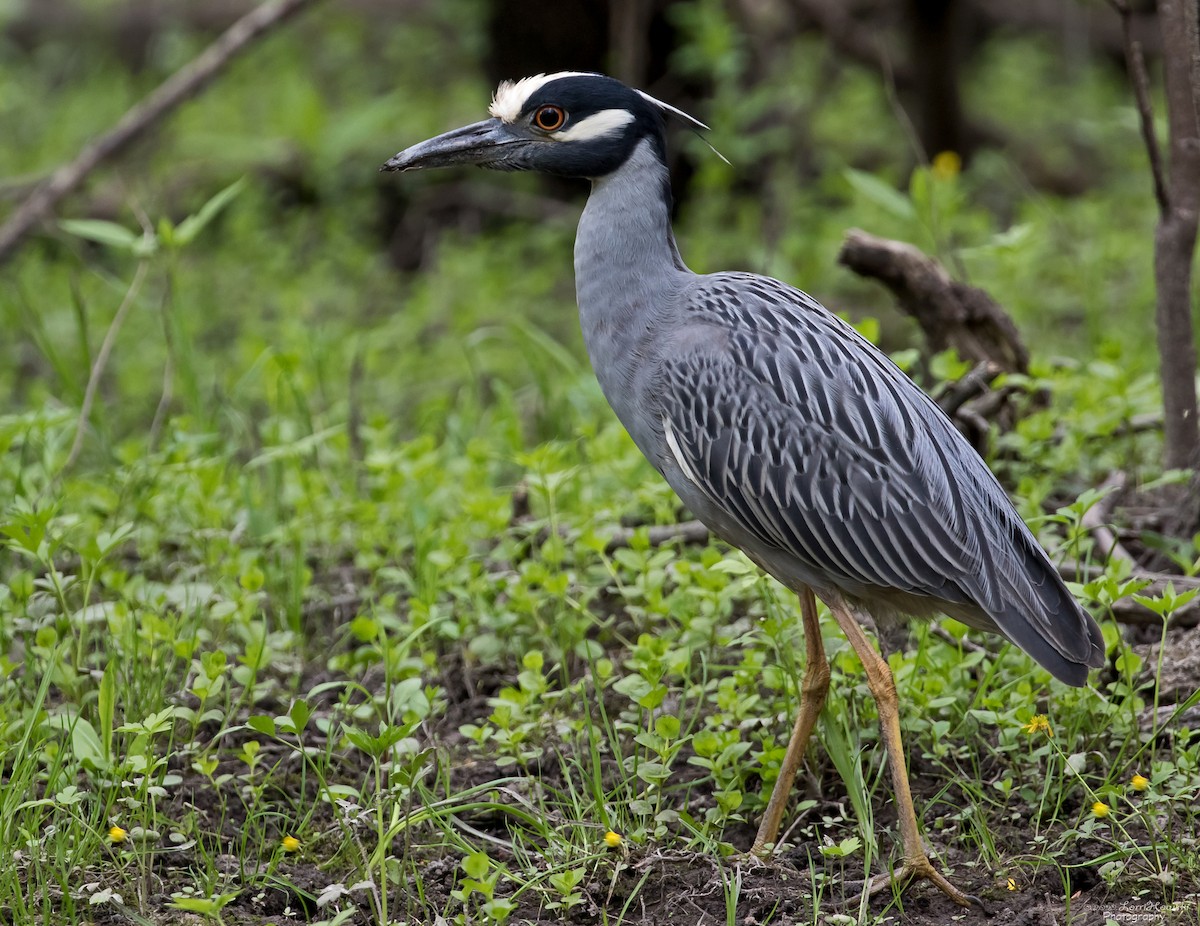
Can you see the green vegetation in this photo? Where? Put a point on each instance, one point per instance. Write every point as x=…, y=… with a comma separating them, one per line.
x=332, y=563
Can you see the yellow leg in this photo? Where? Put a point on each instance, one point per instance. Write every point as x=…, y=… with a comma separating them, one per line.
x=883, y=688
x=812, y=697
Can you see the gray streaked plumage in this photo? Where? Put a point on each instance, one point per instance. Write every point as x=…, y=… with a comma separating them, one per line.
x=784, y=430
x=796, y=439
x=845, y=476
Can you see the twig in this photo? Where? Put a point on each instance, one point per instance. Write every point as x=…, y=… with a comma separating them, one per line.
x=1095, y=520
x=851, y=40
x=1136, y=424
x=177, y=88
x=106, y=346
x=974, y=384
x=1136, y=63
x=1074, y=571
x=945, y=635
x=689, y=532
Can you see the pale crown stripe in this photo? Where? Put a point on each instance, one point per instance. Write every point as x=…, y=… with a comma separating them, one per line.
x=509, y=98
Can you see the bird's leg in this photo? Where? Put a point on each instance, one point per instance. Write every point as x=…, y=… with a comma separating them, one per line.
x=812, y=697
x=883, y=689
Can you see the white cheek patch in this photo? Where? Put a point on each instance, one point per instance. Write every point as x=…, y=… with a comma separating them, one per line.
x=597, y=125
x=509, y=98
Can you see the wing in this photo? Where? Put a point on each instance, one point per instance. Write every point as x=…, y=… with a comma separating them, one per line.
x=814, y=443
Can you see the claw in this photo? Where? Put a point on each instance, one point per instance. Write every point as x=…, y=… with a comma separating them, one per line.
x=921, y=867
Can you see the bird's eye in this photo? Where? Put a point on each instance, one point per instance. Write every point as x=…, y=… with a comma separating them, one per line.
x=549, y=118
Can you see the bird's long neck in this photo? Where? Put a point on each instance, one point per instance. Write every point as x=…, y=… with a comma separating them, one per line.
x=627, y=267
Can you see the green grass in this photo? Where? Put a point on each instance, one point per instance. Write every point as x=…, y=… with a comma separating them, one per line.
x=331, y=561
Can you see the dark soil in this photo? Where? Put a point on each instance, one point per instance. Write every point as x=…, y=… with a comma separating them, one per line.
x=638, y=885
x=641, y=885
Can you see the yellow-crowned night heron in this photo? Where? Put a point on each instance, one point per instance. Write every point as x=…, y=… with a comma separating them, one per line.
x=786, y=432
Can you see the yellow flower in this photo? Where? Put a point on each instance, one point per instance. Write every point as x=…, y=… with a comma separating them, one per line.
x=117, y=835
x=1100, y=809
x=290, y=844
x=1139, y=783
x=946, y=165
x=1038, y=723
x=612, y=840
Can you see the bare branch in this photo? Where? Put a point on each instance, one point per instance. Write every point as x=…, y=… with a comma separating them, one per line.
x=1136, y=63
x=688, y=532
x=177, y=88
x=951, y=314
x=850, y=39
x=1095, y=520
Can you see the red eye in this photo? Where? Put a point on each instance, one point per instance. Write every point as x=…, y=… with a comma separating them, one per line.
x=549, y=118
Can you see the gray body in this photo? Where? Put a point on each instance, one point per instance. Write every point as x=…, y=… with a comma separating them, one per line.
x=795, y=439
x=781, y=428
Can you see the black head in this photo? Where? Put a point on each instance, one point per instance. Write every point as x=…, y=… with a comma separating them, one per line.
x=569, y=124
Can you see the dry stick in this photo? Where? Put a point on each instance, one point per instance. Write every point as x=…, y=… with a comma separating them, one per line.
x=110, y=338
x=177, y=88
x=950, y=313
x=1136, y=63
x=1095, y=520
x=690, y=532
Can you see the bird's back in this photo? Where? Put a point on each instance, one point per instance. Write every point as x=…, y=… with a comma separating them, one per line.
x=797, y=440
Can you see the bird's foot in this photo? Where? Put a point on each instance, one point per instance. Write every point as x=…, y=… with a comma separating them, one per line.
x=917, y=868
x=759, y=854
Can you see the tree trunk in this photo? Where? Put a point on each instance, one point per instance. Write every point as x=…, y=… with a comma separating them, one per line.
x=1175, y=237
x=935, y=49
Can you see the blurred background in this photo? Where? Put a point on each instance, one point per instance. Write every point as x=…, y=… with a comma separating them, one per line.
x=277, y=428
x=429, y=292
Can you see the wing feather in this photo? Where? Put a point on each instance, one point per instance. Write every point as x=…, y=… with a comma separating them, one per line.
x=816, y=445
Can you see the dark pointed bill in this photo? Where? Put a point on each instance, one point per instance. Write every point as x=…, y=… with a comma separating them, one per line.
x=480, y=143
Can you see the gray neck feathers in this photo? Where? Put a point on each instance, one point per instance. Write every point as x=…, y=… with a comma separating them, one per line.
x=628, y=272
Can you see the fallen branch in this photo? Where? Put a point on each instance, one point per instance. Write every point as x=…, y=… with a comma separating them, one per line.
x=689, y=532
x=972, y=386
x=180, y=86
x=951, y=314
x=1095, y=520
x=1128, y=611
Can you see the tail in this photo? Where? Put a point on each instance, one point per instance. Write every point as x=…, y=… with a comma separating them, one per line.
x=1031, y=605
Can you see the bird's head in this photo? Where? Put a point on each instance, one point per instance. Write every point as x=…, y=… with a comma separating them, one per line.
x=569, y=124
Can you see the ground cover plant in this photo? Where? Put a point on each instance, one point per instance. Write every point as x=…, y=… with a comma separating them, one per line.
x=341, y=603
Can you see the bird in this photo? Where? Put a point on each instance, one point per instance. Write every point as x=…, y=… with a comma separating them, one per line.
x=781, y=428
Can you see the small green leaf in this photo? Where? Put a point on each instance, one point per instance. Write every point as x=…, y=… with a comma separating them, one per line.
x=86, y=744
x=263, y=724
x=667, y=727
x=194, y=224
x=476, y=865
x=299, y=714
x=100, y=231
x=882, y=194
